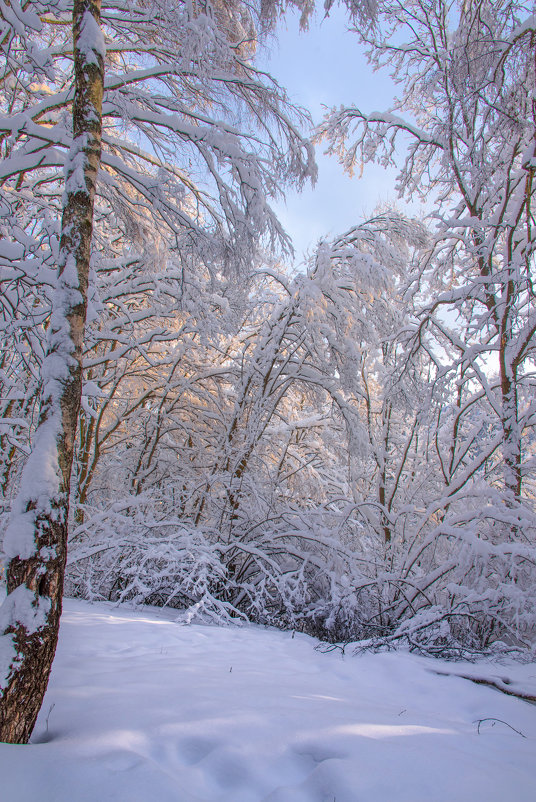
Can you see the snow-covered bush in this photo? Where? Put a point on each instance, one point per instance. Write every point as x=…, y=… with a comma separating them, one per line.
x=284, y=575
x=454, y=593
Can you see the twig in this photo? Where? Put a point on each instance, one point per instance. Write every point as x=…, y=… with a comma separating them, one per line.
x=51, y=708
x=481, y=721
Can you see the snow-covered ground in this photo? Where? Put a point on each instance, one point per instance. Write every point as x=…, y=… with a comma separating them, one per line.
x=140, y=708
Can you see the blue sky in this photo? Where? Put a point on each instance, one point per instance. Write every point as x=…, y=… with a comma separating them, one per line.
x=326, y=66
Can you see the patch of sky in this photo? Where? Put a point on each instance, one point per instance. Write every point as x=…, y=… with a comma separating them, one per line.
x=323, y=67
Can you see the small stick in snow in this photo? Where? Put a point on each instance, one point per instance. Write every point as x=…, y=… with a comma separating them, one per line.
x=482, y=720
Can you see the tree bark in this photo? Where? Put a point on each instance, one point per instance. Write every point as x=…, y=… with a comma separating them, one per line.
x=36, y=540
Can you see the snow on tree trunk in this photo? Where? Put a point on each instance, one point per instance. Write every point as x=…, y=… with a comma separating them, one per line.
x=36, y=539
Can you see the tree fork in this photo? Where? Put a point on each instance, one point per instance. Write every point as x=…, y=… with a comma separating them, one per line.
x=31, y=613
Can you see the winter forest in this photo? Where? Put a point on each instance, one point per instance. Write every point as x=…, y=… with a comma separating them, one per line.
x=191, y=417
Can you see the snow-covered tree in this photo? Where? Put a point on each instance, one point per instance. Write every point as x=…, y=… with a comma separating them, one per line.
x=466, y=118
x=194, y=142
x=36, y=540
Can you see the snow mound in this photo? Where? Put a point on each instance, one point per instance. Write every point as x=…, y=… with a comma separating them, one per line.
x=140, y=708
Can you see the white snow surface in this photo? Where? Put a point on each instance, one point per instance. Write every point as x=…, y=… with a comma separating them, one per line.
x=141, y=708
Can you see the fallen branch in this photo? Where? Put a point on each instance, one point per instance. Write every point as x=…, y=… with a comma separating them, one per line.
x=501, y=684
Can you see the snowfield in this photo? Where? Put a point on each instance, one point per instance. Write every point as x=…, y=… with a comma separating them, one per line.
x=141, y=708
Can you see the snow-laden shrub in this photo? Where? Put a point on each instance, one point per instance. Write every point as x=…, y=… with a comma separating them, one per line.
x=286, y=573
x=463, y=584
x=455, y=591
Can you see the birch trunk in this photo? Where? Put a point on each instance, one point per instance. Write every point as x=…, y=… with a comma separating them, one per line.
x=36, y=540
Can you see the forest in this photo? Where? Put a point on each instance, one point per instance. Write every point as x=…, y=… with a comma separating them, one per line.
x=188, y=420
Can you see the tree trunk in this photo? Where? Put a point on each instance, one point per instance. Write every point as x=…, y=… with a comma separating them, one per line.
x=36, y=540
